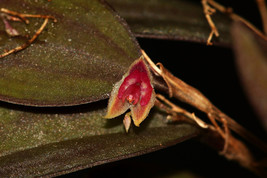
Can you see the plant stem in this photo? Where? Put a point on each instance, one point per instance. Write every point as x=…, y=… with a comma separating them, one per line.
x=236, y=17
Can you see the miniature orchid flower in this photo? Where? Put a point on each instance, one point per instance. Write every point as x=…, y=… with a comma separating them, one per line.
x=135, y=92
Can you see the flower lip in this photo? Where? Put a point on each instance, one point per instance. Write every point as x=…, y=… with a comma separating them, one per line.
x=136, y=86
x=132, y=94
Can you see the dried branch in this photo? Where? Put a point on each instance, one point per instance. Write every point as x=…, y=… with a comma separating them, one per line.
x=190, y=95
x=25, y=45
x=172, y=108
x=235, y=17
x=208, y=11
x=230, y=147
x=23, y=17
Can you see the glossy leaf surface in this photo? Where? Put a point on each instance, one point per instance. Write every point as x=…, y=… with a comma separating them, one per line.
x=251, y=55
x=171, y=19
x=76, y=60
x=43, y=141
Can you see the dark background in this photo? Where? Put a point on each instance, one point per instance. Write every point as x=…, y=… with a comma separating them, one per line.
x=212, y=70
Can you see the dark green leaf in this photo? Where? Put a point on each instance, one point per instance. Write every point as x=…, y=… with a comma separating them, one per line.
x=251, y=55
x=76, y=60
x=43, y=141
x=171, y=19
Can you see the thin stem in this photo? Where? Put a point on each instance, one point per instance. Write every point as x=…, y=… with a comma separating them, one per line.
x=180, y=110
x=236, y=17
x=25, y=45
x=247, y=135
x=24, y=16
x=208, y=11
x=151, y=63
x=195, y=98
x=229, y=146
x=9, y=14
x=15, y=14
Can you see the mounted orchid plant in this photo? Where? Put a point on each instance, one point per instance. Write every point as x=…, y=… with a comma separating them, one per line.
x=64, y=64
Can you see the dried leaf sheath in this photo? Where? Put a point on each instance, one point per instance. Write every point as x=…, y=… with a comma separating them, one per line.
x=134, y=91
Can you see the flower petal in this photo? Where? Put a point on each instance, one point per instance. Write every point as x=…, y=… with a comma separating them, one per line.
x=139, y=113
x=146, y=92
x=133, y=75
x=116, y=106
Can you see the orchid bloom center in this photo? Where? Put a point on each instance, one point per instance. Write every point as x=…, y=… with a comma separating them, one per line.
x=136, y=86
x=132, y=94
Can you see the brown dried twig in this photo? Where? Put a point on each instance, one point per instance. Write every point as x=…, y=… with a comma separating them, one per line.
x=236, y=17
x=13, y=15
x=208, y=11
x=231, y=148
x=188, y=94
x=25, y=16
x=210, y=7
x=173, y=109
x=28, y=43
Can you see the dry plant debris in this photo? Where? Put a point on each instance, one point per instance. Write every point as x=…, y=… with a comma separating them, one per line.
x=210, y=7
x=8, y=15
x=220, y=124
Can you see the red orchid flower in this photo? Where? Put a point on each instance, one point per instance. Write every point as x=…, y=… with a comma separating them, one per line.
x=135, y=92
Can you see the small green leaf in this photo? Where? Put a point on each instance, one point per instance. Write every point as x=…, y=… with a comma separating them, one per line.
x=55, y=141
x=76, y=60
x=251, y=59
x=172, y=19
